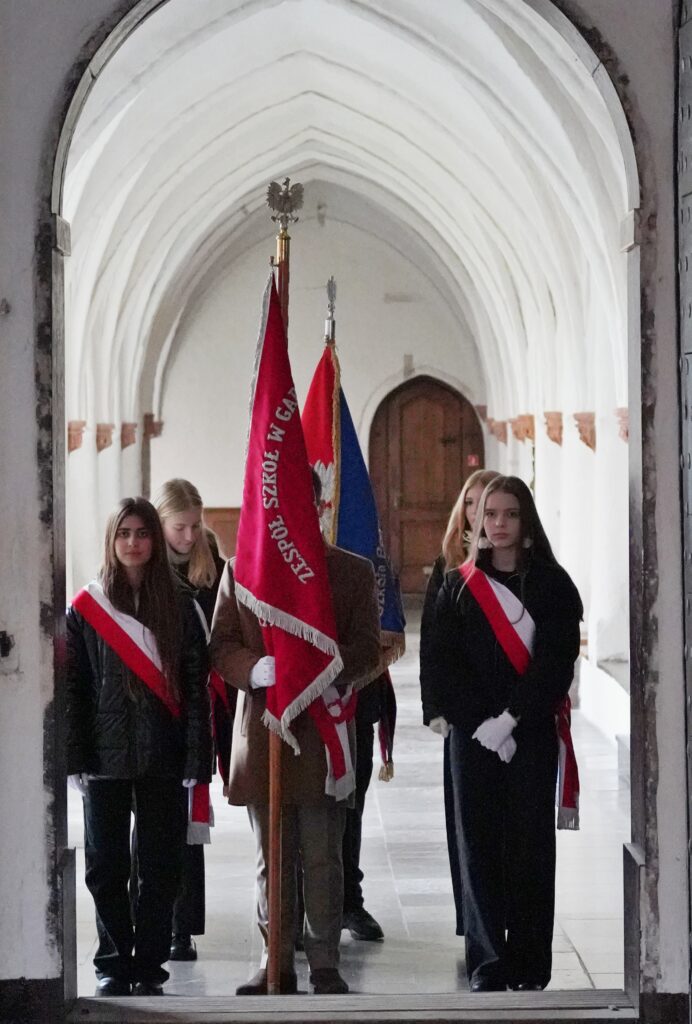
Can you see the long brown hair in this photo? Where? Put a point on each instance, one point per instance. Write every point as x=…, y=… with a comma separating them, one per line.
x=453, y=544
x=535, y=544
x=158, y=607
x=177, y=496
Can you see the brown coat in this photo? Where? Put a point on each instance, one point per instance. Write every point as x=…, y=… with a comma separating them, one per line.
x=236, y=646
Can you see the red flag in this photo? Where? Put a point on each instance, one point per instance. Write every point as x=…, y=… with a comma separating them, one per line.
x=280, y=568
x=321, y=425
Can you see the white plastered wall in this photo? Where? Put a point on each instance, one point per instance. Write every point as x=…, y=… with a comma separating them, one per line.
x=389, y=316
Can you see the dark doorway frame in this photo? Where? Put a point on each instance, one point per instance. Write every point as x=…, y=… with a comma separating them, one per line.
x=53, y=248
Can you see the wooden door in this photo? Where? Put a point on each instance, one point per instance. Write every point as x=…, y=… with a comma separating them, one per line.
x=424, y=441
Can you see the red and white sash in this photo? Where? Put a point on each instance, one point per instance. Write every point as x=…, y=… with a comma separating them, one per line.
x=136, y=647
x=134, y=644
x=515, y=630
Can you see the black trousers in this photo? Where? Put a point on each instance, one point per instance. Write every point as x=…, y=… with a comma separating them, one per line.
x=506, y=834
x=452, y=844
x=188, y=910
x=133, y=950
x=189, y=906
x=353, y=876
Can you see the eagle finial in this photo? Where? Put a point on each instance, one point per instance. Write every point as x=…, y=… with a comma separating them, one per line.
x=284, y=199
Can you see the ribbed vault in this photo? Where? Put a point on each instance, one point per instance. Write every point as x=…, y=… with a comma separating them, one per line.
x=467, y=134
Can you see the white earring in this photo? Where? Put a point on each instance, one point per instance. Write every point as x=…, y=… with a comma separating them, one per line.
x=527, y=542
x=483, y=543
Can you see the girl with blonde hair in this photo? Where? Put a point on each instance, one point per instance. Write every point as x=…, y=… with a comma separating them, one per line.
x=455, y=547
x=193, y=554
x=192, y=550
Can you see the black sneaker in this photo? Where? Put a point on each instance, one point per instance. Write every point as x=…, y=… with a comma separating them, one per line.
x=183, y=947
x=108, y=986
x=147, y=988
x=362, y=925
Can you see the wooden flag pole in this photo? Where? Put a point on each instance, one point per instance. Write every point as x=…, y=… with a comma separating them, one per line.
x=284, y=200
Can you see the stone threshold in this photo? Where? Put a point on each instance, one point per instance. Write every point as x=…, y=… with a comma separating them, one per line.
x=594, y=1005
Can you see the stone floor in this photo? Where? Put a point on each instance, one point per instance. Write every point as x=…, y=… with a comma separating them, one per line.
x=407, y=884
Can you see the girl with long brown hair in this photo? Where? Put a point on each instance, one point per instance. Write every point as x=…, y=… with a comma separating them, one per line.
x=500, y=648
x=455, y=545
x=138, y=731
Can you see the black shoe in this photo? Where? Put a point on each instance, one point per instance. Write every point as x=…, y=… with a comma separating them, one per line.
x=326, y=981
x=107, y=986
x=257, y=986
x=528, y=986
x=183, y=948
x=147, y=988
x=487, y=985
x=362, y=925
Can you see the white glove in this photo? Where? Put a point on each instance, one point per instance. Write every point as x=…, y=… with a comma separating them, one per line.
x=189, y=783
x=507, y=750
x=262, y=674
x=441, y=726
x=80, y=782
x=493, y=732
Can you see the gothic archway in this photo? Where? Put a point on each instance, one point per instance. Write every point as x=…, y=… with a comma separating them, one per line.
x=145, y=9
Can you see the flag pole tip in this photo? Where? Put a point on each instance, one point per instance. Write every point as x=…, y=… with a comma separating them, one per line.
x=330, y=322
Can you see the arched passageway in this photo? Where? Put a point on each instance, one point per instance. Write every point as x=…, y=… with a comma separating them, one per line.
x=470, y=196
x=465, y=183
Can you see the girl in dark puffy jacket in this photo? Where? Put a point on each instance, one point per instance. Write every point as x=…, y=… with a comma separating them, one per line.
x=138, y=735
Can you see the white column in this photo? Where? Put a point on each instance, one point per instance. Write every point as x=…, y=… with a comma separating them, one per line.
x=576, y=508
x=609, y=609
x=549, y=458
x=84, y=539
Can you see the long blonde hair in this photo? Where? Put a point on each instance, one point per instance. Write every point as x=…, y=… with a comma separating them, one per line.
x=178, y=496
x=453, y=543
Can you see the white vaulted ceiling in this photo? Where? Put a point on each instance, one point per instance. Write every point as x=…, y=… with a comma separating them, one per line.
x=468, y=132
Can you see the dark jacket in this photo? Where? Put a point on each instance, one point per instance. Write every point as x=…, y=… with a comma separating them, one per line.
x=204, y=596
x=222, y=712
x=427, y=641
x=466, y=676
x=116, y=726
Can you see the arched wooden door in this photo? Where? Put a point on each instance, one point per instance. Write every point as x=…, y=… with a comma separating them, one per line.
x=424, y=441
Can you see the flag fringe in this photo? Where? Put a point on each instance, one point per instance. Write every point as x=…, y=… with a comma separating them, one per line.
x=277, y=617
x=341, y=788
x=394, y=645
x=273, y=723
x=568, y=818
x=312, y=692
x=302, y=703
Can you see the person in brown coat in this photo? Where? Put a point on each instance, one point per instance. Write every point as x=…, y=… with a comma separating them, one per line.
x=312, y=822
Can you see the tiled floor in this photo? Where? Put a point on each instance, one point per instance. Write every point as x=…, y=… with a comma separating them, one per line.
x=407, y=883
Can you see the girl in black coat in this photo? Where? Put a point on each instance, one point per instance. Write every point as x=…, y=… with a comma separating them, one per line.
x=504, y=744
x=455, y=544
x=138, y=731
x=193, y=553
